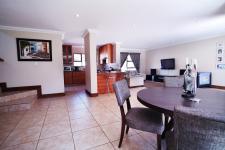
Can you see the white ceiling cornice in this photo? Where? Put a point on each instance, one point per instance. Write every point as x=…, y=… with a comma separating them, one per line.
x=31, y=30
x=187, y=42
x=87, y=31
x=133, y=49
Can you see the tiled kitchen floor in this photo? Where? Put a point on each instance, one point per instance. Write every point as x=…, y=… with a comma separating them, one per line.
x=74, y=121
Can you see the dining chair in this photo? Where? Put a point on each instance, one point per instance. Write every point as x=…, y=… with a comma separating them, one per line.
x=174, y=81
x=195, y=129
x=143, y=119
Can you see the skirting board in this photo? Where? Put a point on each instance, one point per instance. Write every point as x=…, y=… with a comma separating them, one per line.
x=24, y=88
x=52, y=95
x=136, y=86
x=91, y=94
x=218, y=87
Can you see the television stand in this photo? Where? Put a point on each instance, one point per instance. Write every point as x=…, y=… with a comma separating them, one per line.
x=156, y=78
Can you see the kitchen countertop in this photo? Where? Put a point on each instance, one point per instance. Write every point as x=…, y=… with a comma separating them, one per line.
x=74, y=70
x=111, y=72
x=105, y=80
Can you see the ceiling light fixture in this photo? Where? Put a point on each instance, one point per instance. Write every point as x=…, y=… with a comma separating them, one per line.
x=77, y=15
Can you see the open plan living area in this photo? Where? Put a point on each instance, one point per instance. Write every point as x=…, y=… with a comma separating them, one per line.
x=112, y=75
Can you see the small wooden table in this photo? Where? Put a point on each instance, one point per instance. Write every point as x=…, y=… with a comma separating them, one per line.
x=164, y=99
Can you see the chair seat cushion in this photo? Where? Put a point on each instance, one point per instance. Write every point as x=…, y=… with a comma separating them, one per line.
x=145, y=119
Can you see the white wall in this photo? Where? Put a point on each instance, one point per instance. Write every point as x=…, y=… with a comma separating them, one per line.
x=204, y=51
x=129, y=50
x=19, y=73
x=90, y=62
x=78, y=49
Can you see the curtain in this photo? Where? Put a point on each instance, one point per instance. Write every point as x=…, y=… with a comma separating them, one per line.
x=136, y=60
x=123, y=57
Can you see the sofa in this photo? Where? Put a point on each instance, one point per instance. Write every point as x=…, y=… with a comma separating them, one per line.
x=135, y=79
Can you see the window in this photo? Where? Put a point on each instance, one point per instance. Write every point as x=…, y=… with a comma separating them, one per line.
x=79, y=59
x=128, y=65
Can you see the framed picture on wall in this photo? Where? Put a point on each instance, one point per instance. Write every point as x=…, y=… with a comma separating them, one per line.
x=34, y=49
x=220, y=62
x=220, y=66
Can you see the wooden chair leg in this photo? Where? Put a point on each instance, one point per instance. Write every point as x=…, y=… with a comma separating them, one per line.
x=166, y=124
x=158, y=142
x=122, y=134
x=127, y=129
x=166, y=119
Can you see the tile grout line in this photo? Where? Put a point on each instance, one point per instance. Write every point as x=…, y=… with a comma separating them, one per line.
x=42, y=126
x=84, y=102
x=108, y=124
x=146, y=140
x=136, y=133
x=12, y=131
x=99, y=127
x=70, y=125
x=54, y=136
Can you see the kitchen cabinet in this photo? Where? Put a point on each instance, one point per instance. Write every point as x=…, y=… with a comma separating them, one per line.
x=67, y=55
x=68, y=77
x=106, y=80
x=106, y=51
x=74, y=77
x=78, y=77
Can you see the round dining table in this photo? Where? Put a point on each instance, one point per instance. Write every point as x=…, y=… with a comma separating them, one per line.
x=164, y=99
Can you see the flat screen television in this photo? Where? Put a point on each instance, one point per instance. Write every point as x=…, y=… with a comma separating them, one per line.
x=168, y=63
x=204, y=79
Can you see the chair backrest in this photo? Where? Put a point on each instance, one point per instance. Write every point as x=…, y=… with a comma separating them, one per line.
x=198, y=130
x=174, y=81
x=122, y=91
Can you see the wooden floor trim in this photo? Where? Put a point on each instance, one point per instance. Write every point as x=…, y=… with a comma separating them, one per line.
x=52, y=95
x=136, y=86
x=91, y=94
x=218, y=87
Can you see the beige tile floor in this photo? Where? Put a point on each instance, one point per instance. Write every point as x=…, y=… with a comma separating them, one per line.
x=74, y=121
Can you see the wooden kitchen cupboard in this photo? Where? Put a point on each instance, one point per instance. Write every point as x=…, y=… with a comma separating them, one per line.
x=106, y=51
x=78, y=77
x=68, y=77
x=74, y=77
x=106, y=80
x=67, y=55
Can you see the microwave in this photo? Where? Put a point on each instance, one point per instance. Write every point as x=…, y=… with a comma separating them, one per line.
x=67, y=68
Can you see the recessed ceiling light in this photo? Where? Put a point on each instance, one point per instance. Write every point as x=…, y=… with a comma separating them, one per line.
x=77, y=15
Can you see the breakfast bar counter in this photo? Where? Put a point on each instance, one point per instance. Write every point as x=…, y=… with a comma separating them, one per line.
x=107, y=79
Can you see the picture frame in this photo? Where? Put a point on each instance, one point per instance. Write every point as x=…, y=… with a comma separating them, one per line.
x=220, y=57
x=221, y=66
x=34, y=49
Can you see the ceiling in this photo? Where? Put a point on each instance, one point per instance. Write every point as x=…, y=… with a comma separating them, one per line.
x=144, y=24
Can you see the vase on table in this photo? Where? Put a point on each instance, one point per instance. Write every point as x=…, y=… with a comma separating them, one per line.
x=190, y=74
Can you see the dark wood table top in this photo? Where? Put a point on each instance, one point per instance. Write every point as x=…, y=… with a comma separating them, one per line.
x=164, y=99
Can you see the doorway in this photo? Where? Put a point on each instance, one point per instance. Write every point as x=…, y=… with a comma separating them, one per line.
x=74, y=68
